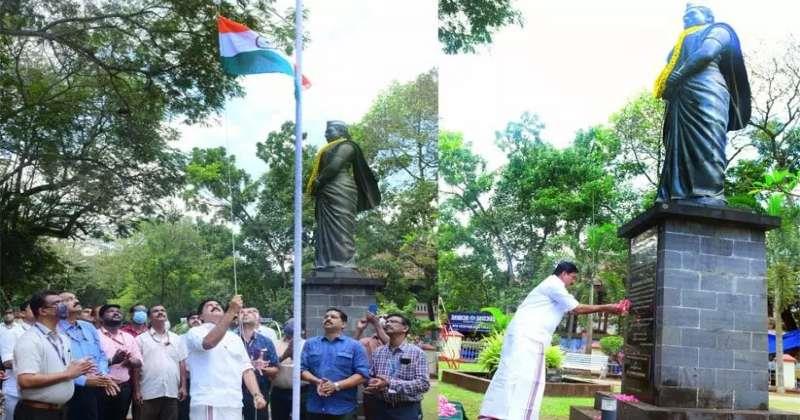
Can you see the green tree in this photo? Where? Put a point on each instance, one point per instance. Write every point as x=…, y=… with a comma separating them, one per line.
x=89, y=86
x=467, y=24
x=397, y=242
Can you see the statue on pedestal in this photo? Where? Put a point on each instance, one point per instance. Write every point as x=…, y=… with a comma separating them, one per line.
x=707, y=93
x=342, y=185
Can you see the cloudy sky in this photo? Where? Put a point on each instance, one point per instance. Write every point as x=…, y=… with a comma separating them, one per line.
x=358, y=47
x=576, y=62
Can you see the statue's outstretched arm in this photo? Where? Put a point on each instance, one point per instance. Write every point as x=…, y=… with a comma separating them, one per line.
x=343, y=155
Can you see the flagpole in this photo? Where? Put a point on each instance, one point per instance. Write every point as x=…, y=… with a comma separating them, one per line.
x=298, y=208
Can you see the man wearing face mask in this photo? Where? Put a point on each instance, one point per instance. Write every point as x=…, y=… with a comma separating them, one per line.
x=138, y=324
x=123, y=354
x=90, y=389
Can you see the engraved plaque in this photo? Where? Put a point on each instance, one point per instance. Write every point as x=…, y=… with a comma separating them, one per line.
x=639, y=341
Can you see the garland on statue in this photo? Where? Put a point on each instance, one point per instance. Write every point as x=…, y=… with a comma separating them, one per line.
x=661, y=81
x=315, y=165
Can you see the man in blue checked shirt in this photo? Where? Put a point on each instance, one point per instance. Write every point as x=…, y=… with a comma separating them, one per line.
x=399, y=375
x=90, y=389
x=336, y=365
x=264, y=358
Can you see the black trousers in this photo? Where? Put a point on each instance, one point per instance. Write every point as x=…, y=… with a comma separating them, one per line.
x=408, y=411
x=87, y=403
x=183, y=406
x=25, y=412
x=280, y=402
x=116, y=407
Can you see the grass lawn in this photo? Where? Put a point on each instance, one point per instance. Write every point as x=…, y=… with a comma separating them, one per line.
x=429, y=405
x=553, y=408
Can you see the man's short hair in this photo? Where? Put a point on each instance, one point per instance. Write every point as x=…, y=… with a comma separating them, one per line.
x=565, y=267
x=203, y=303
x=24, y=305
x=130, y=311
x=406, y=322
x=339, y=311
x=39, y=301
x=106, y=307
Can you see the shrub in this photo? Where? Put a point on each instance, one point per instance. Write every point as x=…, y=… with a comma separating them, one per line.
x=553, y=358
x=611, y=345
x=489, y=358
x=556, y=341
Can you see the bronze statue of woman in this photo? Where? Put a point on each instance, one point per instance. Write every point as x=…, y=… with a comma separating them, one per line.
x=343, y=185
x=707, y=93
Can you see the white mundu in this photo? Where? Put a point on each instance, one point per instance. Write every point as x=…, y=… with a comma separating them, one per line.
x=518, y=385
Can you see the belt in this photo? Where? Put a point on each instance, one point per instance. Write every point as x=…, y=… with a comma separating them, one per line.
x=43, y=405
x=400, y=404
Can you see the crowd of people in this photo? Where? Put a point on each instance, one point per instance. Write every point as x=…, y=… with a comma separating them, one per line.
x=63, y=361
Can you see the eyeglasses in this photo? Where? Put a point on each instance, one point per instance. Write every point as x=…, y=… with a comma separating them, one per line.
x=53, y=304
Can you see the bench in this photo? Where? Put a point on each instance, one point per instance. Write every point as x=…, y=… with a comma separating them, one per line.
x=594, y=363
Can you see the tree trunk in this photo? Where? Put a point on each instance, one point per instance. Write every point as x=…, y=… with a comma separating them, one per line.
x=776, y=313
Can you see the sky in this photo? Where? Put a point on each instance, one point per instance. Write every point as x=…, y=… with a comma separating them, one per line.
x=576, y=62
x=357, y=48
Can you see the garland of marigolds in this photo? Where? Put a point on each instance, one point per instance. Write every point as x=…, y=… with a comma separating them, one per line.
x=661, y=81
x=315, y=165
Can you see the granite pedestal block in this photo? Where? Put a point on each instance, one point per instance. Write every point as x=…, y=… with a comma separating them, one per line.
x=698, y=322
x=347, y=290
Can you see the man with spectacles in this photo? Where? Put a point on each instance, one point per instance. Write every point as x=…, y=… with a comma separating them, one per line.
x=399, y=375
x=163, y=373
x=264, y=359
x=44, y=365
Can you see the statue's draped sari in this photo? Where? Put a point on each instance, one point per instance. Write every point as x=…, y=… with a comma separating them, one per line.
x=699, y=114
x=351, y=190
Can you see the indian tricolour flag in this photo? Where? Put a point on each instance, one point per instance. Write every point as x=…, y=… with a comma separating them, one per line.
x=244, y=51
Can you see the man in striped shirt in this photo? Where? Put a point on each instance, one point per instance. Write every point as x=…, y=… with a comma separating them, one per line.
x=399, y=375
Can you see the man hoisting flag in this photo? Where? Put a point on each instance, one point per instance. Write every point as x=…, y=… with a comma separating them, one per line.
x=244, y=51
x=518, y=385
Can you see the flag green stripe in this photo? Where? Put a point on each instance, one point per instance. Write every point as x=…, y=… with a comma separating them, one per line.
x=258, y=61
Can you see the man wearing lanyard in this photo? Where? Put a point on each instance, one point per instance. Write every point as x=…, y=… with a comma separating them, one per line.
x=399, y=375
x=90, y=390
x=336, y=365
x=123, y=354
x=163, y=373
x=44, y=365
x=265, y=362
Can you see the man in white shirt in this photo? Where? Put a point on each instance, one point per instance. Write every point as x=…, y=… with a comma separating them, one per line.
x=43, y=363
x=219, y=363
x=518, y=385
x=8, y=338
x=163, y=374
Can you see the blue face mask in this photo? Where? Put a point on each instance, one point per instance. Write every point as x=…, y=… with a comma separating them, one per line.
x=62, y=311
x=139, y=317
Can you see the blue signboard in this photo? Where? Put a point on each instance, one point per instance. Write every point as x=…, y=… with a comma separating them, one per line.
x=471, y=322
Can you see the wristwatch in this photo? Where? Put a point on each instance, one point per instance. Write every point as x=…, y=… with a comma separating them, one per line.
x=336, y=386
x=258, y=396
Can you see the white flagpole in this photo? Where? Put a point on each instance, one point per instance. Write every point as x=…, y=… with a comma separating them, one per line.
x=298, y=207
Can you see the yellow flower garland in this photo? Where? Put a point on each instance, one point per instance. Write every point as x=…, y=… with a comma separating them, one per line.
x=315, y=167
x=661, y=81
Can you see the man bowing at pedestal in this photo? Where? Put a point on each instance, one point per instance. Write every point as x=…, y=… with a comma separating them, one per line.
x=518, y=385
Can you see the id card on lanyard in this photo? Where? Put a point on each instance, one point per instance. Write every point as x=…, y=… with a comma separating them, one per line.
x=57, y=346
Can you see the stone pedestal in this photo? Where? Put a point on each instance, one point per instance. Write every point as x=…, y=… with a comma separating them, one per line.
x=347, y=290
x=698, y=322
